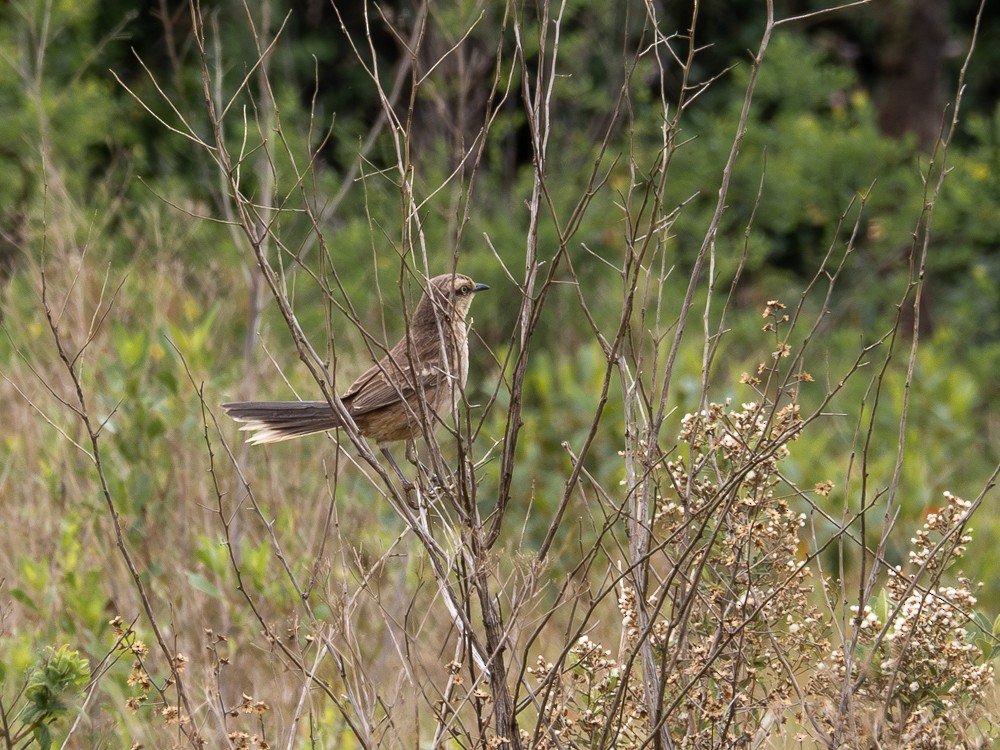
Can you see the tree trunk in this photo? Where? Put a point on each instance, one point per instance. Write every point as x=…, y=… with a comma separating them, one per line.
x=912, y=62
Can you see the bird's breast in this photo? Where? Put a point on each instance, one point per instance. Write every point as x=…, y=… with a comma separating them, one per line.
x=462, y=349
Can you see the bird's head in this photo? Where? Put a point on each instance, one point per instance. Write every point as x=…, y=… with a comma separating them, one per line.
x=451, y=294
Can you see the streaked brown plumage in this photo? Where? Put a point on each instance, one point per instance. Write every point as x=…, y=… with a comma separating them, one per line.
x=383, y=401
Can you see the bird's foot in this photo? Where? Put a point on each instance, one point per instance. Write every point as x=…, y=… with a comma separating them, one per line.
x=407, y=485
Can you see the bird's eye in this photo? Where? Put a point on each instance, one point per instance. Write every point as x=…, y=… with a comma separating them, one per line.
x=464, y=289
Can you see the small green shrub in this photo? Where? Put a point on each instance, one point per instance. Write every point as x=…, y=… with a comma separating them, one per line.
x=52, y=687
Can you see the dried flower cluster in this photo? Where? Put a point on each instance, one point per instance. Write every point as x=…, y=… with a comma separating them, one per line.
x=127, y=642
x=737, y=634
x=741, y=647
x=588, y=705
x=246, y=741
x=920, y=681
x=732, y=623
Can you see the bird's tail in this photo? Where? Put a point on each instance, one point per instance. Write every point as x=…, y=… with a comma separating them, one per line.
x=274, y=421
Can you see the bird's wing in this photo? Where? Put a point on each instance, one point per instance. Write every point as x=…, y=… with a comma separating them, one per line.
x=391, y=381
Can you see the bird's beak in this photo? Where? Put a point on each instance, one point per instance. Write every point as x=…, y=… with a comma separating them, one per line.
x=480, y=288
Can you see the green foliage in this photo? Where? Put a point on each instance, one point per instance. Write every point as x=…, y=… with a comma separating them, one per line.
x=62, y=588
x=812, y=134
x=52, y=686
x=51, y=95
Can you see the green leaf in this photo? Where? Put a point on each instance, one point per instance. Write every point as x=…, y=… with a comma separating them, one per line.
x=201, y=583
x=36, y=575
x=19, y=595
x=43, y=736
x=54, y=683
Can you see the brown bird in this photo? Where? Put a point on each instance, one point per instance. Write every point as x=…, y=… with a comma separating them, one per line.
x=432, y=363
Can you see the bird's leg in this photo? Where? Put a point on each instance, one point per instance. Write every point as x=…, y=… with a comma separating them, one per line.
x=413, y=458
x=411, y=453
x=407, y=484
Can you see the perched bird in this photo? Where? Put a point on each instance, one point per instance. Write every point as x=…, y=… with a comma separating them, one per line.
x=431, y=363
